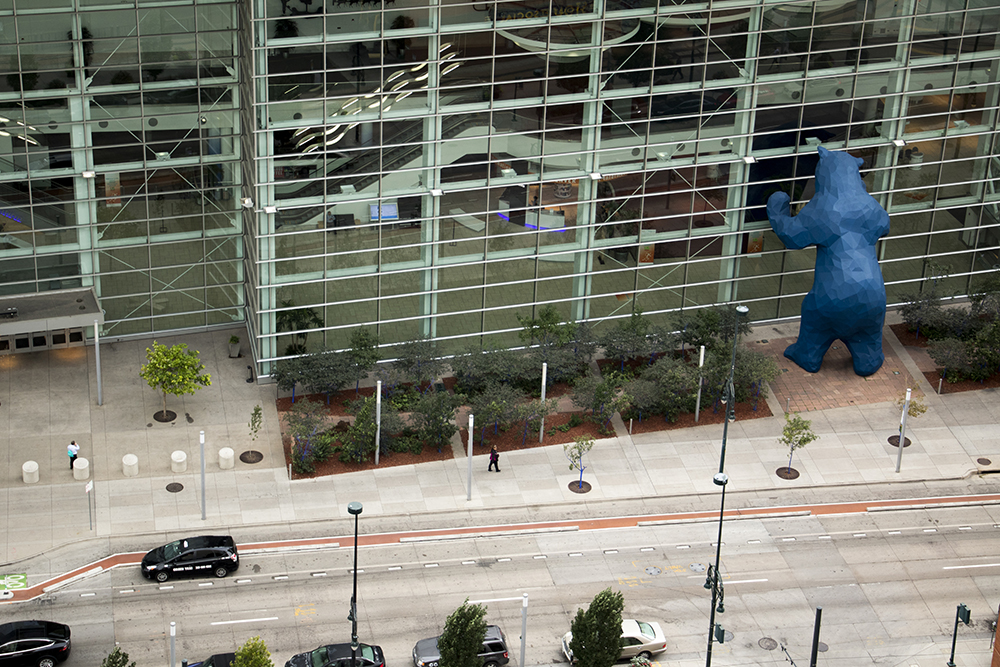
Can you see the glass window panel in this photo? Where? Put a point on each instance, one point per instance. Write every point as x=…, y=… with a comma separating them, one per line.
x=166, y=20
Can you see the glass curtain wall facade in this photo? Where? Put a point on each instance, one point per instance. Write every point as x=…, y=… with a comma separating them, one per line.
x=440, y=167
x=119, y=157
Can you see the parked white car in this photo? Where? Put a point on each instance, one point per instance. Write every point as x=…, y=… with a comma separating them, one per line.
x=638, y=638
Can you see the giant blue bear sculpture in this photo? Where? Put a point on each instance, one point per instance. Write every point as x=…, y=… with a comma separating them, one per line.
x=847, y=299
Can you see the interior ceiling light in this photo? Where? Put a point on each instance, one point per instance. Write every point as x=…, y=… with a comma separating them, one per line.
x=376, y=103
x=421, y=77
x=314, y=147
x=403, y=95
x=449, y=56
x=4, y=120
x=418, y=66
x=450, y=68
x=399, y=85
x=4, y=134
x=444, y=47
x=395, y=75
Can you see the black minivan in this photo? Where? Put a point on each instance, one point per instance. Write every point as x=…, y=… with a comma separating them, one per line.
x=192, y=556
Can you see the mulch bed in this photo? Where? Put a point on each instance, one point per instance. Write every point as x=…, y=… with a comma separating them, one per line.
x=686, y=420
x=908, y=339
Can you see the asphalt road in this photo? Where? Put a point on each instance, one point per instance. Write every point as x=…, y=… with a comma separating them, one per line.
x=888, y=582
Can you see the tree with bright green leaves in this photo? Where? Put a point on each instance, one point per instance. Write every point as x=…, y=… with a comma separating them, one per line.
x=253, y=653
x=256, y=420
x=575, y=451
x=117, y=658
x=796, y=434
x=597, y=632
x=463, y=636
x=173, y=370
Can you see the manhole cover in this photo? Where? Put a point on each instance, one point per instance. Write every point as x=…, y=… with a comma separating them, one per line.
x=983, y=461
x=767, y=644
x=696, y=567
x=251, y=456
x=894, y=441
x=653, y=571
x=164, y=417
x=784, y=472
x=175, y=487
x=822, y=648
x=576, y=487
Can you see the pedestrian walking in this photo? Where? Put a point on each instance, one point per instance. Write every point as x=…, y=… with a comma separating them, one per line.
x=494, y=459
x=73, y=451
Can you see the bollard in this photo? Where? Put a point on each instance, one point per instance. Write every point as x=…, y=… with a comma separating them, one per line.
x=81, y=468
x=227, y=458
x=178, y=461
x=29, y=472
x=130, y=465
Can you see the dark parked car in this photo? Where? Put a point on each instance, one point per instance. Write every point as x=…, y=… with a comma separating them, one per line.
x=41, y=643
x=339, y=655
x=209, y=554
x=217, y=660
x=493, y=654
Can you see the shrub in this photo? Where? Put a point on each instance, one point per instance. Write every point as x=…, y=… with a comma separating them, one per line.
x=950, y=355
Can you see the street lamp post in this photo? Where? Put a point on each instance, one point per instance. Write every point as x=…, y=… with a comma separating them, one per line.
x=355, y=509
x=713, y=581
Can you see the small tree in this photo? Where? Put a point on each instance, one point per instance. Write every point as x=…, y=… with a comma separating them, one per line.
x=627, y=339
x=463, y=636
x=256, y=419
x=359, y=441
x=364, y=354
x=117, y=658
x=418, y=361
x=597, y=632
x=917, y=406
x=434, y=414
x=796, y=434
x=326, y=372
x=305, y=424
x=253, y=653
x=173, y=370
x=496, y=404
x=574, y=452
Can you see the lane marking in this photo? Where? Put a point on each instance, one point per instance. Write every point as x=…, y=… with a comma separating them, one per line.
x=969, y=567
x=245, y=620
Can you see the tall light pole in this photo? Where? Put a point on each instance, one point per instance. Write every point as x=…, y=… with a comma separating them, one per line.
x=355, y=509
x=714, y=579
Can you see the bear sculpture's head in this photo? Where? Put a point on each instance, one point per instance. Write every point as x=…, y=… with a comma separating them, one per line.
x=838, y=170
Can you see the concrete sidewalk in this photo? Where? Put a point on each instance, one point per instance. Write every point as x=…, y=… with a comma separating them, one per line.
x=48, y=399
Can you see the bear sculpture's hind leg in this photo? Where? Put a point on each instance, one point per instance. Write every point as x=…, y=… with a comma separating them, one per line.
x=810, y=348
x=866, y=353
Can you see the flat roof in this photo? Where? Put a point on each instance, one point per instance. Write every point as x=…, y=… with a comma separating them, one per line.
x=49, y=311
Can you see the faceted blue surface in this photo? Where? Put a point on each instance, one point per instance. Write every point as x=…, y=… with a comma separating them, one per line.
x=847, y=299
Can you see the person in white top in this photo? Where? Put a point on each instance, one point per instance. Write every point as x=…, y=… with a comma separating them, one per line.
x=73, y=450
